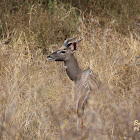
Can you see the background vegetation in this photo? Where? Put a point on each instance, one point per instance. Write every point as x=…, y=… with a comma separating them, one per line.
x=37, y=99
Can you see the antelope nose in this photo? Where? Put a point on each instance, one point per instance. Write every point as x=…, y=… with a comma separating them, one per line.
x=48, y=56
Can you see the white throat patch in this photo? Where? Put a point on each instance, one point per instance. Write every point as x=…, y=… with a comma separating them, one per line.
x=65, y=67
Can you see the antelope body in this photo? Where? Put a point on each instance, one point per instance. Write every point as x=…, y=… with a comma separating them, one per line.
x=86, y=82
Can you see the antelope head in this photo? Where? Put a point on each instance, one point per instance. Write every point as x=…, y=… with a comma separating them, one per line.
x=66, y=51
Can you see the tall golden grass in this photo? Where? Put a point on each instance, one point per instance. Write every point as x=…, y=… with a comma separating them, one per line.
x=37, y=99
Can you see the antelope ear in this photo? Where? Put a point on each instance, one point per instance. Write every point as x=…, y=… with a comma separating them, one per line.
x=74, y=46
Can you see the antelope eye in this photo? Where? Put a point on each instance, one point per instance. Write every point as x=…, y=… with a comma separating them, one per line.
x=63, y=51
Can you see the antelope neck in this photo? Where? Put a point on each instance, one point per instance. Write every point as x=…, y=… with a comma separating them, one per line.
x=72, y=68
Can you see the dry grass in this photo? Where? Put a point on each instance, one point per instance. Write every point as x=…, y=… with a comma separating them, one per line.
x=37, y=99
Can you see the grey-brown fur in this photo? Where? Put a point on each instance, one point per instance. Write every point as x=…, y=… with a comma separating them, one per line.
x=86, y=82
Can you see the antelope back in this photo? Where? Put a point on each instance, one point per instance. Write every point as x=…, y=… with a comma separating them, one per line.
x=86, y=85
